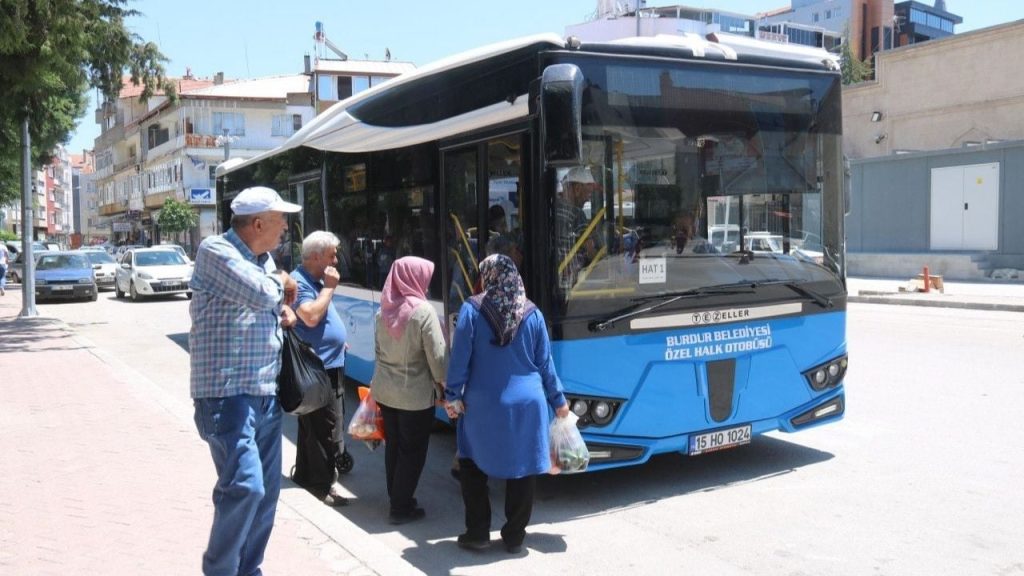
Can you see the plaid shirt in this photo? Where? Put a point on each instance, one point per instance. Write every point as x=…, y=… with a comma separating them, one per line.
x=569, y=222
x=235, y=341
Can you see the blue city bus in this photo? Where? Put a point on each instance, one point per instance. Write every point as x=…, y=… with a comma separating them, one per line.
x=675, y=205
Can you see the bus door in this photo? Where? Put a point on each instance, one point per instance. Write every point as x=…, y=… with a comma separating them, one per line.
x=483, y=196
x=305, y=190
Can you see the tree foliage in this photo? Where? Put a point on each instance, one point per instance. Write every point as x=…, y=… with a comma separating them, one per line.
x=853, y=69
x=51, y=53
x=176, y=217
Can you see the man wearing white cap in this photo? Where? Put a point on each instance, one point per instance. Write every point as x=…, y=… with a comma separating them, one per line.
x=240, y=301
x=577, y=186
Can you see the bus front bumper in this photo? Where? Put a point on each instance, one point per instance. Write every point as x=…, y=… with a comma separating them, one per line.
x=607, y=451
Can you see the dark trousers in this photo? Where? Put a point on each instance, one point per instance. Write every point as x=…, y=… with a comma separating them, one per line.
x=475, y=496
x=317, y=447
x=407, y=435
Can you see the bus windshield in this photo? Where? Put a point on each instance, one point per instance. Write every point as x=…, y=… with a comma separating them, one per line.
x=697, y=176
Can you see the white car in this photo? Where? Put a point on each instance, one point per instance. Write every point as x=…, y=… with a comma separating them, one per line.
x=152, y=272
x=762, y=242
x=120, y=250
x=104, y=266
x=181, y=251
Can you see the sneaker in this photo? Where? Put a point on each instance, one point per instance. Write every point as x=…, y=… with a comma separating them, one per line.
x=334, y=500
x=411, y=516
x=468, y=543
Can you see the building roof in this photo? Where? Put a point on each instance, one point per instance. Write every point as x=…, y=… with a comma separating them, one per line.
x=129, y=90
x=775, y=12
x=270, y=87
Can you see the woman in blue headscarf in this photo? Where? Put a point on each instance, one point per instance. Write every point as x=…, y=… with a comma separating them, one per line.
x=501, y=381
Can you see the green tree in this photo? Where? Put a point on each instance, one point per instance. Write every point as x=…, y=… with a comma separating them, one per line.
x=853, y=69
x=176, y=217
x=51, y=53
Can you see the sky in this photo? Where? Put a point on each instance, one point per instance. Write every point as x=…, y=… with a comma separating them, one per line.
x=253, y=38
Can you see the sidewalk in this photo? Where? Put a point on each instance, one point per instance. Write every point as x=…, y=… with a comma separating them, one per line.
x=105, y=474
x=1003, y=295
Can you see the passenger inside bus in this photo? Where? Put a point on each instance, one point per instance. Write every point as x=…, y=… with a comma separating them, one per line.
x=496, y=223
x=462, y=256
x=578, y=186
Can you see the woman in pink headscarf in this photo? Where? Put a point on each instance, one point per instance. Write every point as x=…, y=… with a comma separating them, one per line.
x=408, y=378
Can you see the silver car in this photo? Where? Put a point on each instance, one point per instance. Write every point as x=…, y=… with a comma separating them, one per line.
x=152, y=272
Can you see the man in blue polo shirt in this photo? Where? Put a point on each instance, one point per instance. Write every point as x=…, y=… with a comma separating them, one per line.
x=240, y=301
x=320, y=450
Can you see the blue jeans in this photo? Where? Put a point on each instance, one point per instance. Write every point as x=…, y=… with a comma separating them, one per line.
x=244, y=434
x=3, y=276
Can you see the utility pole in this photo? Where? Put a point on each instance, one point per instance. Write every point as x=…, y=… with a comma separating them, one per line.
x=28, y=263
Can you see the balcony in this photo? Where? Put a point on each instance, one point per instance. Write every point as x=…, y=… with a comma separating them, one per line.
x=250, y=142
x=125, y=165
x=113, y=208
x=200, y=141
x=156, y=201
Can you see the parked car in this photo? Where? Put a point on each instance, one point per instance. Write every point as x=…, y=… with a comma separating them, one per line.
x=762, y=242
x=14, y=246
x=181, y=251
x=103, y=265
x=14, y=269
x=724, y=237
x=64, y=275
x=13, y=262
x=152, y=272
x=119, y=253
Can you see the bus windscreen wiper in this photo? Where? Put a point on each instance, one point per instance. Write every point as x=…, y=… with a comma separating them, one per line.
x=818, y=298
x=669, y=298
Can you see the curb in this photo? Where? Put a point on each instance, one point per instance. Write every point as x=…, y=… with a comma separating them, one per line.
x=989, y=306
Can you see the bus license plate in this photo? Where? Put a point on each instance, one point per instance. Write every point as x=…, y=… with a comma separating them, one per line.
x=719, y=440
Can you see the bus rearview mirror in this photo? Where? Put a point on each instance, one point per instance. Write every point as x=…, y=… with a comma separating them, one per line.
x=561, y=104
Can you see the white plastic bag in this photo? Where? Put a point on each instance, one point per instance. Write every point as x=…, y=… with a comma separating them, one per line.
x=569, y=453
x=367, y=423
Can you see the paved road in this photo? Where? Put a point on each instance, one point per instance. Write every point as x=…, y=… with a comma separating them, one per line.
x=920, y=478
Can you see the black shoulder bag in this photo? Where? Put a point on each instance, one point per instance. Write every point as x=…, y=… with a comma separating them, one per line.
x=303, y=384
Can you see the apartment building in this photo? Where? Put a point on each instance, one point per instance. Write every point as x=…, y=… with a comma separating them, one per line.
x=872, y=25
x=12, y=217
x=86, y=225
x=149, y=152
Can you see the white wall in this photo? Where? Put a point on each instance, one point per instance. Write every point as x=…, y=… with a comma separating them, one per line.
x=615, y=28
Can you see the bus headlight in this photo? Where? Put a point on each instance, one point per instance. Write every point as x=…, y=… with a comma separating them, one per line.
x=593, y=411
x=827, y=375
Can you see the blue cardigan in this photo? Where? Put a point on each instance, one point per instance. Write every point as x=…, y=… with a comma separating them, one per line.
x=506, y=391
